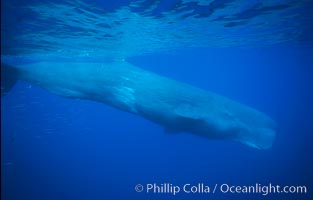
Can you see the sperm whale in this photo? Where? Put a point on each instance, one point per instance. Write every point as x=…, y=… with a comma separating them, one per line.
x=176, y=106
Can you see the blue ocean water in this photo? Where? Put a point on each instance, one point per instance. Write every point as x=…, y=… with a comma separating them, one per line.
x=259, y=53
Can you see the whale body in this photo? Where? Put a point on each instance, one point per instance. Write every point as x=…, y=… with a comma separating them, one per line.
x=176, y=106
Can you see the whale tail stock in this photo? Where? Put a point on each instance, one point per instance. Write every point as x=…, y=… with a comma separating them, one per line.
x=9, y=76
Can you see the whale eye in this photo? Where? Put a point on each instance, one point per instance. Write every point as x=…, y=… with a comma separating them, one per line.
x=227, y=115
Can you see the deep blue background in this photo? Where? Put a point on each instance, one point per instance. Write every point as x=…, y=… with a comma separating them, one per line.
x=57, y=148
